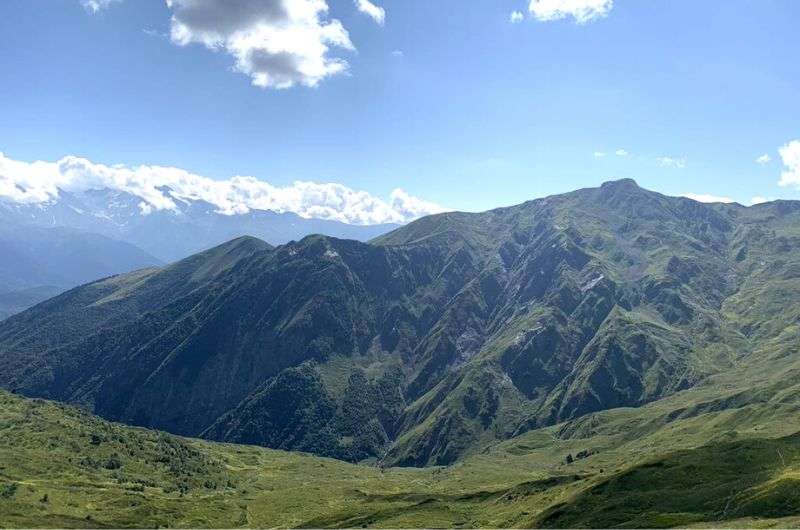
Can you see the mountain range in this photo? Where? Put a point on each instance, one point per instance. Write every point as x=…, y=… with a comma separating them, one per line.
x=443, y=338
x=39, y=262
x=169, y=235
x=81, y=237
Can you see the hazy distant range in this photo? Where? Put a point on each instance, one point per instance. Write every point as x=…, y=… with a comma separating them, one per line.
x=80, y=237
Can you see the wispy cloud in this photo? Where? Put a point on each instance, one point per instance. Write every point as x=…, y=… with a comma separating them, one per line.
x=760, y=200
x=154, y=33
x=617, y=152
x=668, y=161
x=376, y=13
x=764, y=159
x=516, y=17
x=38, y=182
x=94, y=6
x=583, y=11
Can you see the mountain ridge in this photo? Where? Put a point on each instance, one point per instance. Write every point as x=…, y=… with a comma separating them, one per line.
x=431, y=341
x=42, y=262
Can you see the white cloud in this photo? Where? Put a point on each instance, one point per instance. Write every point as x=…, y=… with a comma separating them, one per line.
x=704, y=197
x=38, y=182
x=516, y=17
x=621, y=152
x=410, y=207
x=376, y=13
x=94, y=6
x=760, y=200
x=583, y=11
x=599, y=154
x=668, y=161
x=397, y=53
x=764, y=159
x=278, y=43
x=790, y=156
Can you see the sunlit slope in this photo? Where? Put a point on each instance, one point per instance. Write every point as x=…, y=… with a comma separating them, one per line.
x=436, y=340
x=60, y=467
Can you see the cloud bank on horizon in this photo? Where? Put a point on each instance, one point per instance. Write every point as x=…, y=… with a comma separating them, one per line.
x=40, y=181
x=709, y=198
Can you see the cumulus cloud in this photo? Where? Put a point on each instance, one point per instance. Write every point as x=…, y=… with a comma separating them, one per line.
x=668, y=161
x=516, y=17
x=278, y=43
x=376, y=13
x=704, y=197
x=764, y=159
x=410, y=207
x=790, y=156
x=93, y=6
x=160, y=187
x=583, y=11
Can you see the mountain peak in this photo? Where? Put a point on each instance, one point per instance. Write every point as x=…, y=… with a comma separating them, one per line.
x=240, y=245
x=625, y=183
x=621, y=192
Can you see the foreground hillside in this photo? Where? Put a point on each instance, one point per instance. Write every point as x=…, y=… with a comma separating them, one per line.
x=455, y=332
x=60, y=467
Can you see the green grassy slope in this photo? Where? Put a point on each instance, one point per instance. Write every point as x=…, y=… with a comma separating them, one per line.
x=61, y=467
x=751, y=478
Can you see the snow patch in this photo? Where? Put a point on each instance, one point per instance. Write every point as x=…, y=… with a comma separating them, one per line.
x=592, y=283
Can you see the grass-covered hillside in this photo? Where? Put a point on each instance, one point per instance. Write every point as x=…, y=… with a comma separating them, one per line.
x=61, y=467
x=422, y=347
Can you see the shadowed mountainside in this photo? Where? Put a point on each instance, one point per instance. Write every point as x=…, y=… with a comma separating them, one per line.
x=427, y=344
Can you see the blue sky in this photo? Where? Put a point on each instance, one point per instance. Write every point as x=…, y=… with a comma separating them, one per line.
x=450, y=101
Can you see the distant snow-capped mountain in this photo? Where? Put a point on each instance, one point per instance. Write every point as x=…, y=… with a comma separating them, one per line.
x=169, y=235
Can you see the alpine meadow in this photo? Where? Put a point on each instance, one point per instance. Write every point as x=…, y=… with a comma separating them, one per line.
x=360, y=336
